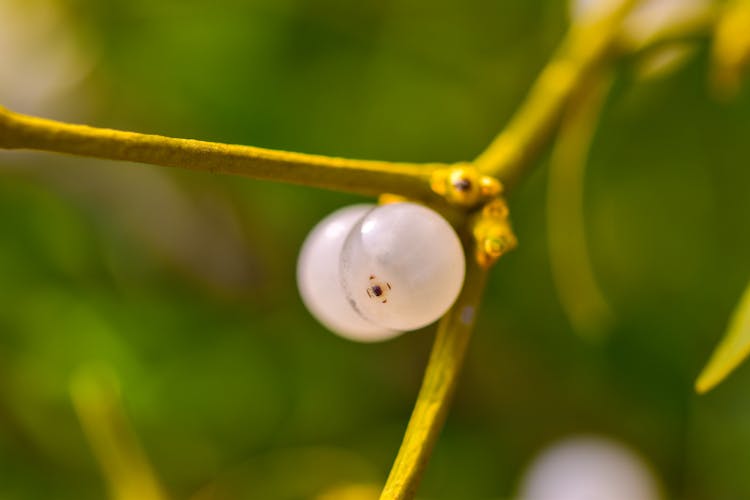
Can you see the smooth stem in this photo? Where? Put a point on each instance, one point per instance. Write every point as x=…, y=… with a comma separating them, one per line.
x=439, y=383
x=583, y=51
x=365, y=177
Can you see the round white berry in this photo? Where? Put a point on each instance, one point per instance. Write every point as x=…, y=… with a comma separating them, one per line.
x=319, y=282
x=402, y=266
x=589, y=468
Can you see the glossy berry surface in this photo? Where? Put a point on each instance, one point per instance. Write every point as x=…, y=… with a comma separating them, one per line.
x=402, y=266
x=319, y=281
x=589, y=467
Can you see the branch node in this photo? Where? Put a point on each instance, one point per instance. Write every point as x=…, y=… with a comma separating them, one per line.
x=464, y=185
x=492, y=232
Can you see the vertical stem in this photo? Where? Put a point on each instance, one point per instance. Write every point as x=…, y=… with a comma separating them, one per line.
x=572, y=270
x=438, y=385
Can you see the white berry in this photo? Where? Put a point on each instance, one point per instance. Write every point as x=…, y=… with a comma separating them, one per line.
x=402, y=266
x=583, y=468
x=319, y=282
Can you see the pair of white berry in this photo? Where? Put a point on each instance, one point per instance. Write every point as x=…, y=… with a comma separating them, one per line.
x=370, y=273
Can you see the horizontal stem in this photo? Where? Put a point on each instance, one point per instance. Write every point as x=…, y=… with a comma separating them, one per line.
x=438, y=385
x=365, y=177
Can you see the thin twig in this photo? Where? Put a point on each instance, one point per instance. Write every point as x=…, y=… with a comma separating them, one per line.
x=439, y=383
x=365, y=177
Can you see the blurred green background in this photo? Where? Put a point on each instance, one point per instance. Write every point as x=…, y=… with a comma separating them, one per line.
x=183, y=283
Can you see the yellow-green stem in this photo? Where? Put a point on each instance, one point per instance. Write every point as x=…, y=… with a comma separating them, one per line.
x=438, y=386
x=584, y=50
x=96, y=398
x=365, y=177
x=572, y=270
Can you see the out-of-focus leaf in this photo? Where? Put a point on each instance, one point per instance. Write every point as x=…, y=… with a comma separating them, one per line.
x=96, y=397
x=572, y=270
x=351, y=492
x=311, y=472
x=664, y=61
x=731, y=351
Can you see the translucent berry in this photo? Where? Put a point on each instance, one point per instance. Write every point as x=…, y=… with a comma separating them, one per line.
x=589, y=467
x=319, y=282
x=402, y=266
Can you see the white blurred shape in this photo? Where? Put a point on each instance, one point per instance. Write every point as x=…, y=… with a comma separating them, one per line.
x=589, y=468
x=591, y=10
x=648, y=17
x=40, y=56
x=652, y=17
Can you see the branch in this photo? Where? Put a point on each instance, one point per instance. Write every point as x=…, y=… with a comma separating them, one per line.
x=365, y=177
x=583, y=51
x=578, y=290
x=437, y=389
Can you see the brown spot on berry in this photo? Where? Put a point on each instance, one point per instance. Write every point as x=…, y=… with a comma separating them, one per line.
x=378, y=289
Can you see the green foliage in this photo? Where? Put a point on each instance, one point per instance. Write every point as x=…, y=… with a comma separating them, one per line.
x=732, y=350
x=233, y=384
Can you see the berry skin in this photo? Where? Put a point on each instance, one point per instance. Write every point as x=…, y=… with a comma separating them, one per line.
x=319, y=281
x=402, y=266
x=589, y=467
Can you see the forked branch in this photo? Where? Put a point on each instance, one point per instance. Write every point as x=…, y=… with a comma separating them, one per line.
x=584, y=50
